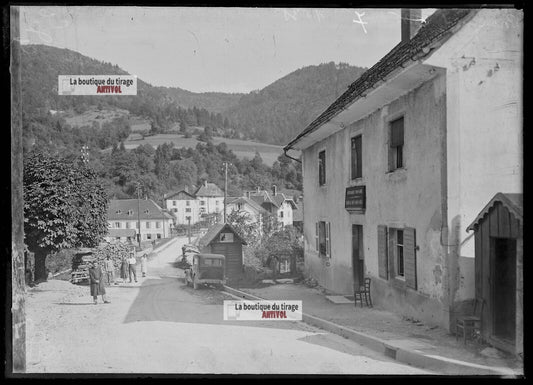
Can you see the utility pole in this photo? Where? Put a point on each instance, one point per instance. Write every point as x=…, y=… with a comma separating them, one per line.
x=139, y=214
x=225, y=190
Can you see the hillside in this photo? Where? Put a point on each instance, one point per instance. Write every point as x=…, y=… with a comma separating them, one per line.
x=281, y=110
x=41, y=64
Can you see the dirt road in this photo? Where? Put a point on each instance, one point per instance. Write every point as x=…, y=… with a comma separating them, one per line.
x=162, y=326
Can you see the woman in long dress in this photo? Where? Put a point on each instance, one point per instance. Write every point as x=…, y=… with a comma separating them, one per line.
x=124, y=269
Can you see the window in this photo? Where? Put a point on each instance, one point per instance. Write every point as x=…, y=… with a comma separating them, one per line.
x=117, y=238
x=322, y=168
x=158, y=236
x=130, y=212
x=127, y=225
x=146, y=211
x=281, y=214
x=202, y=203
x=217, y=203
x=396, y=144
x=158, y=225
x=239, y=206
x=357, y=157
x=148, y=236
x=399, y=253
x=202, y=209
x=322, y=238
x=147, y=225
x=118, y=211
x=175, y=210
x=117, y=225
x=188, y=210
x=187, y=203
x=174, y=203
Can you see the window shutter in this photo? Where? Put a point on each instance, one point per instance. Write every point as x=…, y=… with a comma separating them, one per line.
x=409, y=253
x=382, y=252
x=316, y=236
x=391, y=253
x=328, y=240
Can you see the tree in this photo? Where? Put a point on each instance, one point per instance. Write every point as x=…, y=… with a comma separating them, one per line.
x=245, y=226
x=65, y=206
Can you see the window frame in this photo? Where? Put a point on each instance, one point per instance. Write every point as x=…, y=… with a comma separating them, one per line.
x=356, y=168
x=396, y=152
x=322, y=164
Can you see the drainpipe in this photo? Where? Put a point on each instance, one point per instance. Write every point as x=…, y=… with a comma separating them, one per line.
x=290, y=157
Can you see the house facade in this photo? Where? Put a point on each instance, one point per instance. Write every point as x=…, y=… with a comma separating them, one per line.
x=396, y=168
x=184, y=207
x=126, y=214
x=276, y=203
x=246, y=205
x=210, y=200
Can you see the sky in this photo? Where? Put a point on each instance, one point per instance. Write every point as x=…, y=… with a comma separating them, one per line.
x=215, y=49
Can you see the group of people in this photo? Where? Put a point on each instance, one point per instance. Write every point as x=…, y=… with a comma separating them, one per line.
x=98, y=278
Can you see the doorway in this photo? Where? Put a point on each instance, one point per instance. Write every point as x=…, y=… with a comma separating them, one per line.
x=504, y=289
x=358, y=259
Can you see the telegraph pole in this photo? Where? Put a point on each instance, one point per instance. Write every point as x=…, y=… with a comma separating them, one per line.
x=139, y=214
x=225, y=190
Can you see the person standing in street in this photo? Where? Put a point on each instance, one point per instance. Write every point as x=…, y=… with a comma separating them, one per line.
x=109, y=268
x=96, y=280
x=124, y=269
x=132, y=262
x=144, y=265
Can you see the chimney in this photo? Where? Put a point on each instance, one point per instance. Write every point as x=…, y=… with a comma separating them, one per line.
x=274, y=190
x=411, y=23
x=206, y=183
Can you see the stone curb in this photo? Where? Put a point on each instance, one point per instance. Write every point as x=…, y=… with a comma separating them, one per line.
x=406, y=356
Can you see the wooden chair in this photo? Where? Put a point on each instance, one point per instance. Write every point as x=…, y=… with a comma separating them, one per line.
x=363, y=292
x=470, y=324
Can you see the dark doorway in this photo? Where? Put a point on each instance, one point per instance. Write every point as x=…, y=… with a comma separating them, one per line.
x=358, y=259
x=504, y=288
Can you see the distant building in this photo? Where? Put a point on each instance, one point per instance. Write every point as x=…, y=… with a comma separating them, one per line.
x=206, y=204
x=249, y=206
x=184, y=207
x=277, y=204
x=124, y=214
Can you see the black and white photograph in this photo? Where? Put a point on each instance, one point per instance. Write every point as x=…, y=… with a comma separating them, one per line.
x=202, y=190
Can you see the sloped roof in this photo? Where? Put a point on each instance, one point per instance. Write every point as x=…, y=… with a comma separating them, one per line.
x=121, y=233
x=118, y=209
x=214, y=231
x=243, y=200
x=279, y=198
x=512, y=201
x=298, y=215
x=436, y=28
x=209, y=190
x=180, y=195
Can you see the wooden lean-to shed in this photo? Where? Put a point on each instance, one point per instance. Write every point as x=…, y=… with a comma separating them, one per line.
x=498, y=270
x=223, y=239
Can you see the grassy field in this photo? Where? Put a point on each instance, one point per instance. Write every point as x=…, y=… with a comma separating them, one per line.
x=94, y=115
x=241, y=148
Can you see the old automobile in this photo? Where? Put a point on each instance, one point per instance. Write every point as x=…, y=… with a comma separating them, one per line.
x=206, y=269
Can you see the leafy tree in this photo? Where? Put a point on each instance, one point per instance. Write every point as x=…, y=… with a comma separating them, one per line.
x=245, y=226
x=65, y=206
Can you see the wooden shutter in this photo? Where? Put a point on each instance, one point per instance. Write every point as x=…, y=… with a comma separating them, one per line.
x=383, y=267
x=316, y=236
x=328, y=240
x=409, y=255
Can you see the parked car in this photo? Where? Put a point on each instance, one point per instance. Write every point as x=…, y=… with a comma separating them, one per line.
x=206, y=268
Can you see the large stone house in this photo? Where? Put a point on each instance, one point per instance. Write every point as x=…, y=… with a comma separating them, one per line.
x=205, y=204
x=124, y=215
x=398, y=167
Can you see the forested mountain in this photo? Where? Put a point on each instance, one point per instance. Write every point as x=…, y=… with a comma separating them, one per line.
x=274, y=114
x=281, y=110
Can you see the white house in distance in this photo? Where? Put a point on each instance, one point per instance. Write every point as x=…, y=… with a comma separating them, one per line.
x=276, y=203
x=123, y=216
x=399, y=166
x=184, y=206
x=208, y=200
x=247, y=205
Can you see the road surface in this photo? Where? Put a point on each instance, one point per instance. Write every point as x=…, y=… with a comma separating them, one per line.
x=161, y=325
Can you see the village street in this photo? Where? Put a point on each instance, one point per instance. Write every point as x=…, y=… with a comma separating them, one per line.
x=160, y=325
